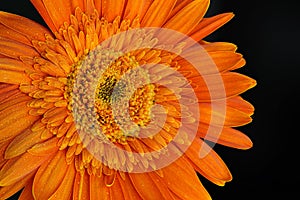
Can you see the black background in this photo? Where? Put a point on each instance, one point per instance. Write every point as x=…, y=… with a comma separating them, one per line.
x=266, y=33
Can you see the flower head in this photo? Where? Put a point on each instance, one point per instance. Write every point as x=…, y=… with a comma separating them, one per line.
x=117, y=100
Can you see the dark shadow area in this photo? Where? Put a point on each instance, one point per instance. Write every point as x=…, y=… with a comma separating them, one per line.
x=266, y=33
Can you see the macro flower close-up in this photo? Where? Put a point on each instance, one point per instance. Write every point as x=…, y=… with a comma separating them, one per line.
x=118, y=99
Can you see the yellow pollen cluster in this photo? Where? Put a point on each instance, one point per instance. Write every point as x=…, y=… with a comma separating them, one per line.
x=123, y=97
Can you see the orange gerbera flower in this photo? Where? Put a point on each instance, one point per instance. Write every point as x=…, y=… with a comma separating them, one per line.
x=53, y=151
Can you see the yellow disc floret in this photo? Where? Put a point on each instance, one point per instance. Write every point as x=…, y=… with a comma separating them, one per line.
x=123, y=97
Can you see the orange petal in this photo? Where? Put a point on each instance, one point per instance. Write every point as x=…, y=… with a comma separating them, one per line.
x=22, y=143
x=6, y=88
x=234, y=84
x=24, y=26
x=218, y=46
x=14, y=65
x=127, y=187
x=3, y=147
x=133, y=9
x=188, y=18
x=14, y=120
x=98, y=6
x=89, y=6
x=38, y=4
x=17, y=168
x=221, y=117
x=211, y=166
x=55, y=13
x=27, y=192
x=226, y=60
x=214, y=62
x=49, y=176
x=182, y=180
x=117, y=191
x=145, y=6
x=13, y=77
x=112, y=9
x=234, y=138
x=9, y=110
x=45, y=148
x=209, y=25
x=8, y=191
x=14, y=49
x=228, y=136
x=8, y=92
x=17, y=99
x=95, y=191
x=180, y=4
x=143, y=184
x=99, y=184
x=64, y=191
x=81, y=189
x=240, y=104
x=109, y=177
x=157, y=180
x=158, y=13
x=10, y=34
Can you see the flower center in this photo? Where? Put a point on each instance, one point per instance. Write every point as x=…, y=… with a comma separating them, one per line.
x=122, y=95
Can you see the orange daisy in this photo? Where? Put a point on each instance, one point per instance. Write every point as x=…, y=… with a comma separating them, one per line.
x=72, y=127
